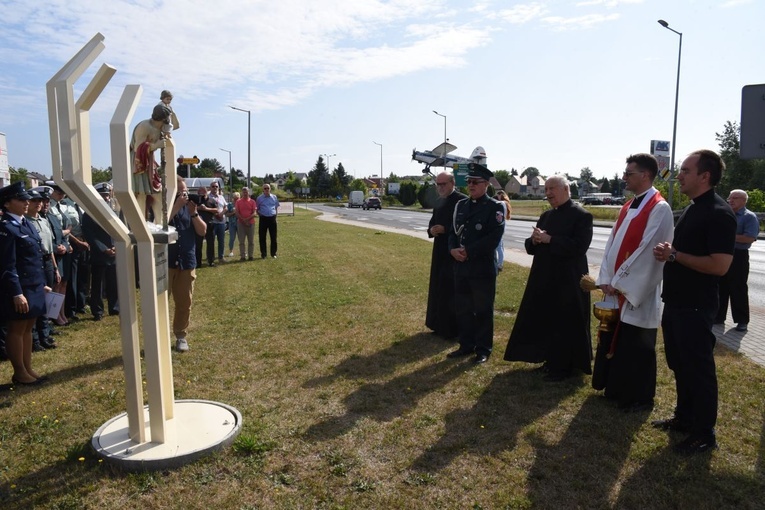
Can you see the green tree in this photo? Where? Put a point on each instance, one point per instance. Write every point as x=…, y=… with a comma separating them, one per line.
x=99, y=175
x=342, y=178
x=502, y=176
x=408, y=193
x=19, y=174
x=318, y=178
x=606, y=187
x=358, y=185
x=393, y=178
x=530, y=172
x=585, y=174
x=427, y=196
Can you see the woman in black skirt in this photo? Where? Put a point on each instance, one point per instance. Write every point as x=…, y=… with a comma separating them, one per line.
x=22, y=281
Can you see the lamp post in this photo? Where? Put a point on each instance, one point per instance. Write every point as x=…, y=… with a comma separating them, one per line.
x=329, y=169
x=381, y=166
x=677, y=94
x=249, y=125
x=230, y=170
x=443, y=148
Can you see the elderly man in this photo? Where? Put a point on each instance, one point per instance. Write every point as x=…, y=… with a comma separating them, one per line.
x=268, y=207
x=699, y=254
x=553, y=321
x=477, y=227
x=440, y=316
x=734, y=286
x=625, y=362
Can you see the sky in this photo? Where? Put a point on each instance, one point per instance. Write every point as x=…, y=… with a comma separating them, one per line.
x=557, y=85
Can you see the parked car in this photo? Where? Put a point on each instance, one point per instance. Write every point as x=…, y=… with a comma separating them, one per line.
x=356, y=198
x=591, y=201
x=371, y=203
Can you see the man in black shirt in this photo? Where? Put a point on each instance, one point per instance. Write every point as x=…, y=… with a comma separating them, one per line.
x=701, y=252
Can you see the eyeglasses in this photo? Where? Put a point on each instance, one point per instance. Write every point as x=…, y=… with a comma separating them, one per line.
x=213, y=186
x=627, y=174
x=441, y=183
x=475, y=181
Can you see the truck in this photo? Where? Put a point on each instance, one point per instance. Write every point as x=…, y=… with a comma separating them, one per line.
x=355, y=199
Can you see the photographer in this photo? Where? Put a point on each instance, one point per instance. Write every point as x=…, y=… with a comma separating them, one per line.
x=182, y=261
x=214, y=206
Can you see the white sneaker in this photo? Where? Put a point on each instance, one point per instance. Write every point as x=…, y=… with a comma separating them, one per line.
x=231, y=254
x=181, y=345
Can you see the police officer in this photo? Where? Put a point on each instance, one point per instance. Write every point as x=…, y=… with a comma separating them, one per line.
x=479, y=222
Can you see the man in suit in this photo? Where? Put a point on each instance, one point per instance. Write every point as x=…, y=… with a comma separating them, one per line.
x=103, y=268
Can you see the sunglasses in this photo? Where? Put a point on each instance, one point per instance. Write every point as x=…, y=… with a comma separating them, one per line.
x=475, y=181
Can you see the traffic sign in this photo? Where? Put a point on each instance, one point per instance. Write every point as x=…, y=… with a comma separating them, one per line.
x=188, y=161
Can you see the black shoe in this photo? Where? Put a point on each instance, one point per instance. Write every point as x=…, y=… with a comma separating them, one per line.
x=250, y=258
x=73, y=318
x=211, y=264
x=37, y=347
x=114, y=312
x=48, y=344
x=459, y=353
x=480, y=359
x=742, y=326
x=54, y=332
x=673, y=424
x=263, y=256
x=98, y=317
x=694, y=444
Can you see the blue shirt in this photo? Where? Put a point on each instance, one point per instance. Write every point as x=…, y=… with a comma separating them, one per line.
x=267, y=205
x=747, y=225
x=182, y=253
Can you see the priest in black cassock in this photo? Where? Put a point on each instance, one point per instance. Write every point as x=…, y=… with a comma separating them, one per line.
x=440, y=316
x=553, y=322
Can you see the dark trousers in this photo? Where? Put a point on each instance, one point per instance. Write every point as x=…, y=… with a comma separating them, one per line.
x=267, y=224
x=215, y=231
x=79, y=283
x=103, y=281
x=474, y=302
x=198, y=240
x=734, y=287
x=689, y=346
x=42, y=327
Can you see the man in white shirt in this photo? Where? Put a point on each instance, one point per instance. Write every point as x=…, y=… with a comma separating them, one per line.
x=625, y=362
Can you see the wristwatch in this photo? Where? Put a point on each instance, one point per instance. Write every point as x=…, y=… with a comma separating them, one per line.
x=672, y=256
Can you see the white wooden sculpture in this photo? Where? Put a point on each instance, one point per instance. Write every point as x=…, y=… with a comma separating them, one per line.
x=178, y=431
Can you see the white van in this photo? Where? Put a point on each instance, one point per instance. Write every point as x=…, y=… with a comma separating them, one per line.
x=356, y=198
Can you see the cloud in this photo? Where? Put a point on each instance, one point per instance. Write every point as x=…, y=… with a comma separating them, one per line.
x=735, y=3
x=522, y=13
x=578, y=22
x=610, y=4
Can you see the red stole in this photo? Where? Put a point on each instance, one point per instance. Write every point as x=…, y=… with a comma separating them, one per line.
x=629, y=244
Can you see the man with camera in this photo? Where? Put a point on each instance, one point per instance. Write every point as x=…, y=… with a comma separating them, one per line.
x=182, y=261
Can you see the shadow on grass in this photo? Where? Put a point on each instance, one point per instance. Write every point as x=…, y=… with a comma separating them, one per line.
x=385, y=361
x=61, y=376
x=669, y=480
x=588, y=459
x=385, y=401
x=511, y=402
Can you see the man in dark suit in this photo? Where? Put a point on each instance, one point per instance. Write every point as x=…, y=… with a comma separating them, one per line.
x=478, y=225
x=440, y=316
x=103, y=269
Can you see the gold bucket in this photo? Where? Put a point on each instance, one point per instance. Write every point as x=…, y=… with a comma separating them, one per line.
x=607, y=314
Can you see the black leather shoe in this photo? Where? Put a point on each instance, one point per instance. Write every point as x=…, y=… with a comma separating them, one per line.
x=54, y=332
x=694, y=444
x=742, y=326
x=48, y=344
x=672, y=424
x=480, y=359
x=98, y=317
x=459, y=353
x=37, y=347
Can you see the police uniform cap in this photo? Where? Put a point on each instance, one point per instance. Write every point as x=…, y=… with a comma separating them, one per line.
x=34, y=195
x=479, y=172
x=103, y=187
x=44, y=191
x=54, y=186
x=15, y=190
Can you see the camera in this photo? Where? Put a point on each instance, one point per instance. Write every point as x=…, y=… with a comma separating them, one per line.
x=194, y=197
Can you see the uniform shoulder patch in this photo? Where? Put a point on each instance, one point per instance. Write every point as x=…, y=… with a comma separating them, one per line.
x=500, y=216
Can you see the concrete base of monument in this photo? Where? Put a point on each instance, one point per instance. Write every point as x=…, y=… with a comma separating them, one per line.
x=199, y=427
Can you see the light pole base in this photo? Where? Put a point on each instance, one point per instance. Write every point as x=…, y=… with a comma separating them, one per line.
x=199, y=427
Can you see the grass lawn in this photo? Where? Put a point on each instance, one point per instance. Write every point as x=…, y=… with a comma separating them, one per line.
x=348, y=403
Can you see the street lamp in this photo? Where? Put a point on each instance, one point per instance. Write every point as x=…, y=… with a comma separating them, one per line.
x=677, y=94
x=329, y=168
x=249, y=125
x=230, y=170
x=381, y=165
x=443, y=148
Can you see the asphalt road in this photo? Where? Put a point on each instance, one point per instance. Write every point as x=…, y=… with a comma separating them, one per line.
x=517, y=230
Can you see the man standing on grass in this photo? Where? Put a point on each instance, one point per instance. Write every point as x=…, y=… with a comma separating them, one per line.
x=182, y=261
x=268, y=207
x=440, y=315
x=625, y=362
x=701, y=252
x=733, y=286
x=477, y=228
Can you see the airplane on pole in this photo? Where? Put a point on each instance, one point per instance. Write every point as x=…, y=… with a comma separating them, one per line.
x=441, y=156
